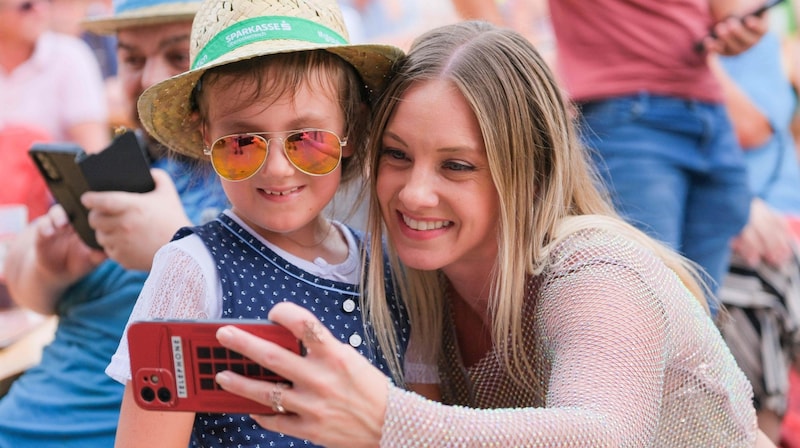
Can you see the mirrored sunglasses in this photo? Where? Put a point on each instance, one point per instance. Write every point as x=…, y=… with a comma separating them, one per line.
x=315, y=152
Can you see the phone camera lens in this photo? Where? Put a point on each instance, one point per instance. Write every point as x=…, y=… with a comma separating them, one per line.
x=164, y=395
x=147, y=394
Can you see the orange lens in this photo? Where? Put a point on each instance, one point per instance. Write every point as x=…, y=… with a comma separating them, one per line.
x=314, y=151
x=237, y=157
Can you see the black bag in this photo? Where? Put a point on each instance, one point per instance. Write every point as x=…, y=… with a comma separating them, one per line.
x=762, y=326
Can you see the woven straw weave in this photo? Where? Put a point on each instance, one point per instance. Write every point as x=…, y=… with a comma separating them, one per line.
x=164, y=109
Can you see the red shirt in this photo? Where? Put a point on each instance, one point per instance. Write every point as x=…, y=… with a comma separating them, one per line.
x=608, y=48
x=22, y=183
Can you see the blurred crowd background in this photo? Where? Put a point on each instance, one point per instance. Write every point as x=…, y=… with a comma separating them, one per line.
x=90, y=103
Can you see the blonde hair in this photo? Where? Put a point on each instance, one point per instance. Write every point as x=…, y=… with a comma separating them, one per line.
x=546, y=187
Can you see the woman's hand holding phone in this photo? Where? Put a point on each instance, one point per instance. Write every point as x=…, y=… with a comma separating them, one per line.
x=337, y=398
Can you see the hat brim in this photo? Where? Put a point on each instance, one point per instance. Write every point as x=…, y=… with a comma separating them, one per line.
x=165, y=108
x=154, y=15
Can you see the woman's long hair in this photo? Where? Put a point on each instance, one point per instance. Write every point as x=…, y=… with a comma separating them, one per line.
x=546, y=187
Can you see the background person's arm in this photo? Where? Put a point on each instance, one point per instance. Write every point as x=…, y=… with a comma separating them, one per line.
x=131, y=227
x=45, y=260
x=92, y=136
x=752, y=127
x=734, y=31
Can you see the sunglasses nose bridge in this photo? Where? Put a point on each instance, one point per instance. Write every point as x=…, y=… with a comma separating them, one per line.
x=282, y=154
x=270, y=139
x=282, y=149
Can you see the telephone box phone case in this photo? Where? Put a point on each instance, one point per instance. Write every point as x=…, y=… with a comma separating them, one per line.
x=173, y=364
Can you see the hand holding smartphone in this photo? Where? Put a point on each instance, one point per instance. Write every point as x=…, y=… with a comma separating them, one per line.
x=69, y=172
x=174, y=362
x=700, y=45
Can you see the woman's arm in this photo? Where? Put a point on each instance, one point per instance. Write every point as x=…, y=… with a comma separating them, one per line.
x=352, y=403
x=338, y=399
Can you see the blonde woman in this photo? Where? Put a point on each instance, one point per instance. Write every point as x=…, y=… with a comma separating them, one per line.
x=544, y=318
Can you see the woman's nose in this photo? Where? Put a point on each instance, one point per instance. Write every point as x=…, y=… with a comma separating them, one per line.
x=419, y=190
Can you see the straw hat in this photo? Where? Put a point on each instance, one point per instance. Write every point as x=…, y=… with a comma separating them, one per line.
x=128, y=13
x=229, y=31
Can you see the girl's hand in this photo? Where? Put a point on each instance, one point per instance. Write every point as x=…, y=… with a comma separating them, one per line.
x=337, y=398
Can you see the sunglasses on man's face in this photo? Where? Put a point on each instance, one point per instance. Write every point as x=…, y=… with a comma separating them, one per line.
x=315, y=152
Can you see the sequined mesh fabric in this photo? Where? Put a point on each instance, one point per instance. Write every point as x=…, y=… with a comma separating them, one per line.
x=623, y=356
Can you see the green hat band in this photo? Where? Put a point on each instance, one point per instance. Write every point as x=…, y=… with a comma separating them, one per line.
x=265, y=28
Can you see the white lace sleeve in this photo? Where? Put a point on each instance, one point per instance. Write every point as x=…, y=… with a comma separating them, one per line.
x=183, y=284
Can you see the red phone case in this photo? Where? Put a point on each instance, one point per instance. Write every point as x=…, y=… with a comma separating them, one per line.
x=173, y=363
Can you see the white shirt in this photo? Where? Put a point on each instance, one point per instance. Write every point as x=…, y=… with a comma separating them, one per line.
x=58, y=87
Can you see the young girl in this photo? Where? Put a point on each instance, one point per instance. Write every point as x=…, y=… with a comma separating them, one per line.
x=278, y=101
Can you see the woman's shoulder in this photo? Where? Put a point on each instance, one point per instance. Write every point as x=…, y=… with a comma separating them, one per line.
x=593, y=239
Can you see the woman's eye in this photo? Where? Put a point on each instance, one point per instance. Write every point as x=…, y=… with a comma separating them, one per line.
x=458, y=166
x=395, y=154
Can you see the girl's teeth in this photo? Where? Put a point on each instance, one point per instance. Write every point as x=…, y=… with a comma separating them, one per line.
x=282, y=193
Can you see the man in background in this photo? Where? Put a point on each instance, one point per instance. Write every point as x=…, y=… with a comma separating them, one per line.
x=67, y=400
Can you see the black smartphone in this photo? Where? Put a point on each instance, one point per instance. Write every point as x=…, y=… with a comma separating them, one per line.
x=700, y=46
x=763, y=8
x=174, y=362
x=69, y=172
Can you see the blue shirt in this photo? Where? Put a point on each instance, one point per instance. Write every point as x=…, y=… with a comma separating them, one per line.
x=67, y=400
x=772, y=168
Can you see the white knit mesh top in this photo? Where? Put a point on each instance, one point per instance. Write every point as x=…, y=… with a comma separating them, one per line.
x=624, y=356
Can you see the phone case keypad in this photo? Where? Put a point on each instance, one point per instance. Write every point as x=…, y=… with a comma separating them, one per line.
x=211, y=360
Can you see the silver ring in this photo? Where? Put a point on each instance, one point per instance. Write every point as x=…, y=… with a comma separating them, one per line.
x=276, y=398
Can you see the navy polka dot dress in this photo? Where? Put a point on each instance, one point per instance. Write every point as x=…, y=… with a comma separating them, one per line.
x=254, y=278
